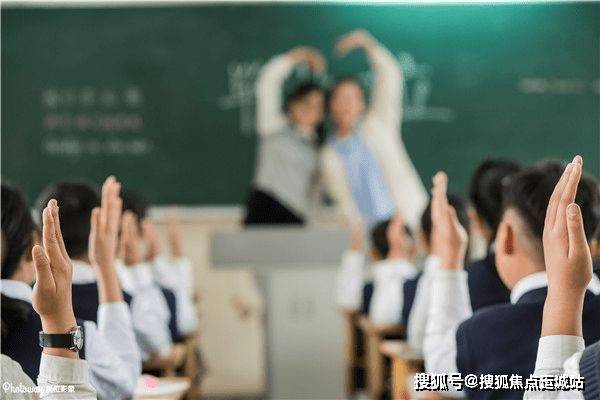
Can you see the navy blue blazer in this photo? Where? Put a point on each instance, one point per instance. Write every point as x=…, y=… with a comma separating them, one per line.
x=21, y=342
x=503, y=339
x=485, y=286
x=589, y=367
x=409, y=293
x=86, y=302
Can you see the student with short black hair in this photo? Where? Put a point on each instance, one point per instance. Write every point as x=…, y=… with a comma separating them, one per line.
x=286, y=160
x=51, y=301
x=568, y=259
x=502, y=339
x=150, y=323
x=173, y=275
x=485, y=194
x=109, y=348
x=418, y=290
x=392, y=250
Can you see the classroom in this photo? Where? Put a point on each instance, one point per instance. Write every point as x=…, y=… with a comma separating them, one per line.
x=324, y=199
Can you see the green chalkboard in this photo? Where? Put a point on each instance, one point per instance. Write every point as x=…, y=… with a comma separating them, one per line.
x=162, y=95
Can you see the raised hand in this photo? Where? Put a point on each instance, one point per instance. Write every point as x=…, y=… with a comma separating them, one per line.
x=396, y=237
x=355, y=39
x=54, y=271
x=174, y=233
x=566, y=255
x=105, y=226
x=311, y=56
x=447, y=233
x=130, y=240
x=151, y=238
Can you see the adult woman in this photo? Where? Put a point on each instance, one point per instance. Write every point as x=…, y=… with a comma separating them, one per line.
x=365, y=165
x=287, y=154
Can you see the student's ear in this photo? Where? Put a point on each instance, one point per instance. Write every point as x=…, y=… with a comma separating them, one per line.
x=505, y=239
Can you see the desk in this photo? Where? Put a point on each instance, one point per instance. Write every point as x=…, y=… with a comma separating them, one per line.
x=406, y=361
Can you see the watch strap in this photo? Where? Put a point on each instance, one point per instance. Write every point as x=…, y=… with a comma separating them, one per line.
x=57, y=340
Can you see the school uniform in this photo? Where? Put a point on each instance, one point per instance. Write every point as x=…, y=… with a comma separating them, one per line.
x=387, y=300
x=350, y=280
x=418, y=314
x=485, y=286
x=149, y=309
x=177, y=277
x=497, y=340
x=54, y=370
x=567, y=355
x=409, y=292
x=109, y=347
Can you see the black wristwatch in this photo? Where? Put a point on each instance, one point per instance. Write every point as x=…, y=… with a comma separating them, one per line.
x=72, y=340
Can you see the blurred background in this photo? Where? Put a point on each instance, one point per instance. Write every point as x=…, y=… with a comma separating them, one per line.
x=162, y=95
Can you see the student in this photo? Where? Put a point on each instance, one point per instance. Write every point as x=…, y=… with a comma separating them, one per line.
x=287, y=155
x=51, y=301
x=173, y=277
x=392, y=250
x=418, y=290
x=109, y=348
x=569, y=267
x=502, y=339
x=78, y=200
x=485, y=194
x=174, y=273
x=365, y=165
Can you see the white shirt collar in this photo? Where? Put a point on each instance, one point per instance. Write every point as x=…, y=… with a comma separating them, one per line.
x=83, y=273
x=540, y=280
x=395, y=268
x=16, y=290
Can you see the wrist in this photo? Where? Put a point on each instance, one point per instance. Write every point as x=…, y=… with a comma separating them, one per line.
x=58, y=323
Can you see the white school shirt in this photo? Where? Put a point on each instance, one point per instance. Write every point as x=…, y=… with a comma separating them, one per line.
x=54, y=370
x=177, y=276
x=451, y=305
x=381, y=130
x=417, y=319
x=350, y=280
x=149, y=309
x=388, y=294
x=110, y=349
x=558, y=355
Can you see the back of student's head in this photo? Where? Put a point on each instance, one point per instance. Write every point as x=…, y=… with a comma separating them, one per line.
x=379, y=240
x=459, y=204
x=76, y=200
x=136, y=203
x=485, y=190
x=528, y=194
x=17, y=229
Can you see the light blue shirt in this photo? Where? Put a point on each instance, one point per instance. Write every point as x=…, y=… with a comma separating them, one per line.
x=366, y=181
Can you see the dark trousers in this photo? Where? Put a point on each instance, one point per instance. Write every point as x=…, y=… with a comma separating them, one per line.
x=262, y=208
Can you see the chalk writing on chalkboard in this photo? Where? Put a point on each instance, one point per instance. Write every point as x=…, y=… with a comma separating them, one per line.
x=84, y=120
x=242, y=75
x=560, y=86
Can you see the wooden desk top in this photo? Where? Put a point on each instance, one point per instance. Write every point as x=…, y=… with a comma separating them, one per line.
x=400, y=349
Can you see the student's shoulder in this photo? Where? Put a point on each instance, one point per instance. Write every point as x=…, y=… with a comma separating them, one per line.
x=501, y=316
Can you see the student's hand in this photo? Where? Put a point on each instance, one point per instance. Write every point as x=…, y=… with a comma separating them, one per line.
x=174, y=233
x=359, y=38
x=396, y=237
x=151, y=238
x=567, y=256
x=311, y=56
x=447, y=233
x=130, y=240
x=105, y=227
x=54, y=271
x=356, y=235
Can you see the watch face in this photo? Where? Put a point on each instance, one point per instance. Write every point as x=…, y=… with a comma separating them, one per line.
x=78, y=338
